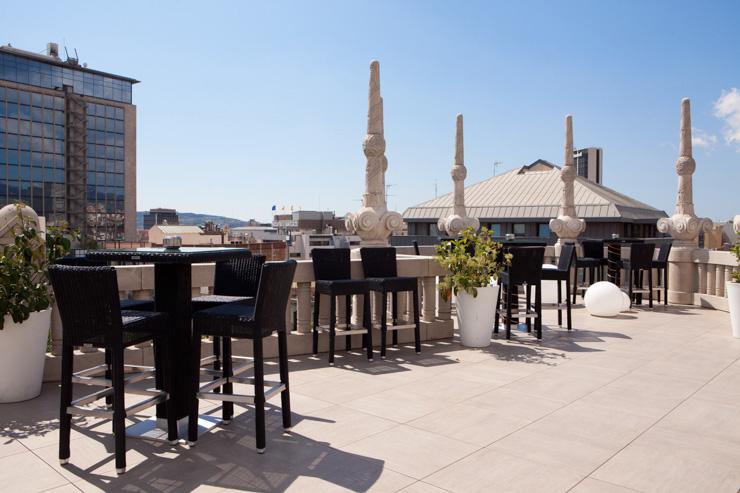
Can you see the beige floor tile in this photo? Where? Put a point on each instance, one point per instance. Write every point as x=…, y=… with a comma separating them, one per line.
x=10, y=446
x=410, y=451
x=422, y=487
x=508, y=400
x=339, y=425
x=447, y=388
x=590, y=485
x=25, y=472
x=490, y=470
x=471, y=423
x=660, y=461
x=387, y=481
x=396, y=405
x=565, y=383
x=343, y=388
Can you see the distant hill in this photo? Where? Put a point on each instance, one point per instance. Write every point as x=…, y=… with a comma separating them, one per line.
x=195, y=219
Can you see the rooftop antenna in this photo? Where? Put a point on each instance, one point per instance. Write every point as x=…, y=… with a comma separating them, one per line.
x=496, y=164
x=435, y=189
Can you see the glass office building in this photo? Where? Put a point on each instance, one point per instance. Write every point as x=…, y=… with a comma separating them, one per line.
x=34, y=160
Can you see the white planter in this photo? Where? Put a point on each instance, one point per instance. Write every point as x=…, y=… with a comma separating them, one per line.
x=22, y=356
x=733, y=299
x=475, y=316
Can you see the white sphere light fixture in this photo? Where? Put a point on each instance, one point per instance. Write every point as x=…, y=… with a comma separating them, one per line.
x=625, y=302
x=604, y=299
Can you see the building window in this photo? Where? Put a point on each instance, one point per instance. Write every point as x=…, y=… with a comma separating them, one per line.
x=520, y=229
x=495, y=229
x=543, y=230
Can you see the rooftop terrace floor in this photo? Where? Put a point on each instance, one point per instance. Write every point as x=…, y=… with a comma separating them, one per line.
x=648, y=401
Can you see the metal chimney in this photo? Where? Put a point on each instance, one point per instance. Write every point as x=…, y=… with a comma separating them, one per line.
x=52, y=50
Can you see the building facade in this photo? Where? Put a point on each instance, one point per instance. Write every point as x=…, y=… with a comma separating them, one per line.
x=160, y=216
x=68, y=142
x=319, y=222
x=588, y=163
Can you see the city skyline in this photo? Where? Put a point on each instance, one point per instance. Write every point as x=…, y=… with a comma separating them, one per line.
x=263, y=105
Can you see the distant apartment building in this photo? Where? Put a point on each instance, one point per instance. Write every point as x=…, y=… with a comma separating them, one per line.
x=189, y=235
x=68, y=142
x=320, y=222
x=160, y=216
x=588, y=163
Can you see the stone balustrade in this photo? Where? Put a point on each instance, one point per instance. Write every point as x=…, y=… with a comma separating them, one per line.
x=713, y=270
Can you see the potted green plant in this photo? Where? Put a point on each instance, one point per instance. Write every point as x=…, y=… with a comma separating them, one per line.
x=733, y=293
x=474, y=262
x=25, y=302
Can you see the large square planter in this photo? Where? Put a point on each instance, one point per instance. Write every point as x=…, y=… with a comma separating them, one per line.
x=733, y=300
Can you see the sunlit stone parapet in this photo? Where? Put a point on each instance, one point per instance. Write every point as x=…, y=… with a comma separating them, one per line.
x=374, y=223
x=684, y=226
x=456, y=222
x=568, y=226
x=736, y=224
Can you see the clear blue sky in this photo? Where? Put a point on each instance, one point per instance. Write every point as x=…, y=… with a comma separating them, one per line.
x=243, y=105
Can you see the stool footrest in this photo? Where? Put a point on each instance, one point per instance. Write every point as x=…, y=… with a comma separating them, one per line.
x=276, y=388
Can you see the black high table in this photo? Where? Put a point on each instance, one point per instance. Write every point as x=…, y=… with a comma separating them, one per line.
x=172, y=295
x=614, y=257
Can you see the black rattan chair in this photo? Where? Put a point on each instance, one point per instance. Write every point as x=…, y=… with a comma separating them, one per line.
x=560, y=274
x=235, y=280
x=146, y=305
x=640, y=261
x=661, y=266
x=253, y=321
x=379, y=267
x=525, y=269
x=90, y=311
x=332, y=271
x=592, y=261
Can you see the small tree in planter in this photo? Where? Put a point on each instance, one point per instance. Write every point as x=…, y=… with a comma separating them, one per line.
x=733, y=293
x=474, y=262
x=25, y=301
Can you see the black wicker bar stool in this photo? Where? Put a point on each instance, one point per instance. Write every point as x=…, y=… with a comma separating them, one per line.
x=661, y=266
x=235, y=280
x=562, y=274
x=379, y=267
x=332, y=271
x=525, y=270
x=640, y=261
x=253, y=321
x=88, y=303
x=592, y=261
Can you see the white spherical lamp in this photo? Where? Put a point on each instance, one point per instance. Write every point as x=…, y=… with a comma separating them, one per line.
x=603, y=299
x=625, y=302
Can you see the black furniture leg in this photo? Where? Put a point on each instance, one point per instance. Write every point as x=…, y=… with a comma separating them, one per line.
x=193, y=394
x=650, y=287
x=332, y=327
x=368, y=326
x=417, y=327
x=159, y=362
x=348, y=319
x=665, y=285
x=527, y=306
x=65, y=419
x=217, y=361
x=119, y=409
x=285, y=394
x=538, y=310
x=172, y=431
x=259, y=394
x=567, y=301
x=560, y=300
x=496, y=317
x=508, y=311
x=383, y=323
x=109, y=397
x=394, y=312
x=316, y=305
x=227, y=410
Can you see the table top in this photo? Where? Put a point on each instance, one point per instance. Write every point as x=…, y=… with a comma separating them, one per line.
x=182, y=255
x=624, y=240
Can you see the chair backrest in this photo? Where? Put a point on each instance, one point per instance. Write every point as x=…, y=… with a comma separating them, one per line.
x=379, y=261
x=593, y=248
x=641, y=255
x=87, y=298
x=331, y=264
x=664, y=251
x=239, y=276
x=273, y=294
x=567, y=253
x=526, y=264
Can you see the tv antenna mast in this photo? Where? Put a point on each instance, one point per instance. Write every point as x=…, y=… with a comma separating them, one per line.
x=496, y=164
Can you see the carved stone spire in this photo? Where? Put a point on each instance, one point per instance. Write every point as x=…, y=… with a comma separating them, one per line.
x=568, y=225
x=373, y=222
x=458, y=220
x=684, y=226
